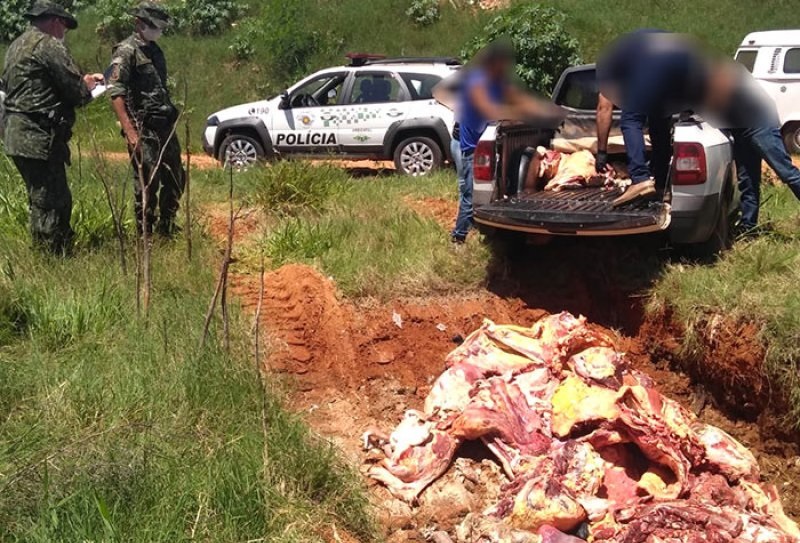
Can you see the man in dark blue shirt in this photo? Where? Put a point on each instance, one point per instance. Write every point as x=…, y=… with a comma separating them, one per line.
x=651, y=75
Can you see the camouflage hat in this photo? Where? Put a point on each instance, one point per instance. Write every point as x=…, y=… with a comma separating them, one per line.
x=45, y=8
x=152, y=14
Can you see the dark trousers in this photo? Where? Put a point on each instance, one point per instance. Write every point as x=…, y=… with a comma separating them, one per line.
x=660, y=130
x=157, y=165
x=750, y=146
x=49, y=202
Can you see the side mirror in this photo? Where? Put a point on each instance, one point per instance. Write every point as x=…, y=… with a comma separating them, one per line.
x=284, y=100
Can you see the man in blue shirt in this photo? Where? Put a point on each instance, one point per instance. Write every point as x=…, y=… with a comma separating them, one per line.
x=486, y=95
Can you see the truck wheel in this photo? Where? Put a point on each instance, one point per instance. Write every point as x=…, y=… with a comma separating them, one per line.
x=791, y=137
x=418, y=156
x=240, y=151
x=721, y=238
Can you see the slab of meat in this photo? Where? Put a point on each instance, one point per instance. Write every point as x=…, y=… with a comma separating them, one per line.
x=549, y=162
x=662, y=430
x=576, y=404
x=677, y=521
x=500, y=416
x=549, y=493
x=601, y=365
x=726, y=455
x=417, y=456
x=577, y=170
x=586, y=441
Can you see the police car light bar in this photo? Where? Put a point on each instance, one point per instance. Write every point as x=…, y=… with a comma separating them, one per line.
x=360, y=59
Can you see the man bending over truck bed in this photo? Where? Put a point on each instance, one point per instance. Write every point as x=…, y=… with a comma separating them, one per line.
x=651, y=75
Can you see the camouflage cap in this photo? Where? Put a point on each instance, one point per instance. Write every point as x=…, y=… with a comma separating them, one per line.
x=152, y=14
x=45, y=8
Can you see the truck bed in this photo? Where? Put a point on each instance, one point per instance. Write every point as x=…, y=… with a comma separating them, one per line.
x=586, y=211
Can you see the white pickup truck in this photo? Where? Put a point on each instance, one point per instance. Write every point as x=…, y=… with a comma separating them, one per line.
x=697, y=209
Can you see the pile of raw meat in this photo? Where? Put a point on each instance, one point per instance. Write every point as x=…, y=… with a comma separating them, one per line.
x=588, y=444
x=566, y=171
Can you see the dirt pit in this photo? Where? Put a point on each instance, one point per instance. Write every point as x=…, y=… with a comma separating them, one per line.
x=356, y=366
x=361, y=366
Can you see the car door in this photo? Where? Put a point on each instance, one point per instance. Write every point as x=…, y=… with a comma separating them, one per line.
x=788, y=95
x=307, y=121
x=376, y=102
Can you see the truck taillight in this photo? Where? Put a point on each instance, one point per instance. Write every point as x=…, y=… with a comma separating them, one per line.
x=482, y=170
x=689, y=164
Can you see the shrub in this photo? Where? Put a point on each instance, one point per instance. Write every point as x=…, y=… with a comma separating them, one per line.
x=424, y=12
x=244, y=42
x=290, y=42
x=543, y=47
x=194, y=17
x=205, y=17
x=12, y=22
x=115, y=19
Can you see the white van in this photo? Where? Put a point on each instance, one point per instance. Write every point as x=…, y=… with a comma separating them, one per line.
x=773, y=57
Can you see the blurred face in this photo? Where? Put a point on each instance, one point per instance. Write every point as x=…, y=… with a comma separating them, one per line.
x=148, y=32
x=498, y=68
x=55, y=26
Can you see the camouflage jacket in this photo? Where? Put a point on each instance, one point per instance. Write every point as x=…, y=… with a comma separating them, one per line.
x=43, y=87
x=139, y=73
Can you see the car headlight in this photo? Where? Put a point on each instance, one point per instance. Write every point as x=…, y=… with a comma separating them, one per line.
x=212, y=121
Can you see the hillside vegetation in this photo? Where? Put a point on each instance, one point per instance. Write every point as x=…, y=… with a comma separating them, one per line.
x=318, y=33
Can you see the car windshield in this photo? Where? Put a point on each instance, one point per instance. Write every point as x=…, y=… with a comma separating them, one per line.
x=579, y=90
x=326, y=90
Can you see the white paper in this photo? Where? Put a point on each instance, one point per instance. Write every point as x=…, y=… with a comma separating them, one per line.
x=99, y=90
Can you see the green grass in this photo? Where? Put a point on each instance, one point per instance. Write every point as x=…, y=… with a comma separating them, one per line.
x=721, y=24
x=117, y=428
x=366, y=235
x=754, y=282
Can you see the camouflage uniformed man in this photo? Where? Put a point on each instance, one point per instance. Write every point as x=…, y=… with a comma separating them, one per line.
x=140, y=98
x=43, y=87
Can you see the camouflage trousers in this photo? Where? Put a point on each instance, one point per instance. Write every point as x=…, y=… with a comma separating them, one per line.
x=50, y=203
x=163, y=177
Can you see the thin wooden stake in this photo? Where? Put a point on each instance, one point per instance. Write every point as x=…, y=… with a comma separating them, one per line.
x=257, y=324
x=188, y=200
x=222, y=279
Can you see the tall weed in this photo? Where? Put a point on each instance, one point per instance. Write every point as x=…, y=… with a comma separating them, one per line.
x=294, y=187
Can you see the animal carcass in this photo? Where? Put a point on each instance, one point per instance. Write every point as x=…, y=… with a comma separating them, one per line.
x=585, y=440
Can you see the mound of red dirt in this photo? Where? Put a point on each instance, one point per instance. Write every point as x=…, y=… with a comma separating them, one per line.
x=728, y=359
x=441, y=210
x=327, y=341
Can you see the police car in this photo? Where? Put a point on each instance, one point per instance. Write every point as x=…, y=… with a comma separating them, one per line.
x=374, y=108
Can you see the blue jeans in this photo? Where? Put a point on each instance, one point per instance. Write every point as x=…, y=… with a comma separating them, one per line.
x=660, y=130
x=750, y=145
x=455, y=150
x=464, y=218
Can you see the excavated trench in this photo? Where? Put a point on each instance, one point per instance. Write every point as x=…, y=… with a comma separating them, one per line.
x=358, y=365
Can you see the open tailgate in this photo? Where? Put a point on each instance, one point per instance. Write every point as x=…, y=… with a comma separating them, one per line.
x=586, y=212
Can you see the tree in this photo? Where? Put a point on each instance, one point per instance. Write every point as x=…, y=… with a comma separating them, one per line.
x=543, y=47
